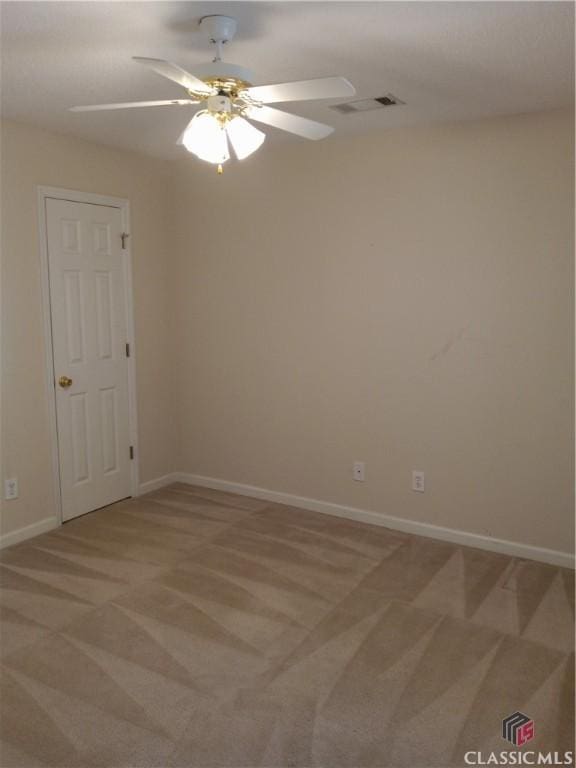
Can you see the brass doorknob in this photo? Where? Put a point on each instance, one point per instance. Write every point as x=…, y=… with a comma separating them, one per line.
x=64, y=382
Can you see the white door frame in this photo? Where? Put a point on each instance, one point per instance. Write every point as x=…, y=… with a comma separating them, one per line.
x=75, y=196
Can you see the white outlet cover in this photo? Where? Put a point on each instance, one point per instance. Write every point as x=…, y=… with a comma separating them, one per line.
x=418, y=480
x=358, y=471
x=11, y=488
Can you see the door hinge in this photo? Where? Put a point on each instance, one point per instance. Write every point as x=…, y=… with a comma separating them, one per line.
x=127, y=349
x=131, y=451
x=124, y=237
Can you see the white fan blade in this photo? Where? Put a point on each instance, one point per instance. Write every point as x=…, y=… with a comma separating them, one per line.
x=132, y=104
x=308, y=129
x=175, y=73
x=320, y=88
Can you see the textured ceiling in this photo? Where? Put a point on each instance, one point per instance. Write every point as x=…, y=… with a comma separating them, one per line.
x=446, y=60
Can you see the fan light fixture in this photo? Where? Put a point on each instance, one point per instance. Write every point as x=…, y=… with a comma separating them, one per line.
x=230, y=103
x=208, y=133
x=244, y=137
x=205, y=137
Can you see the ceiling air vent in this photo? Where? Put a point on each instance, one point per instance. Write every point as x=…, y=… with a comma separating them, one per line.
x=365, y=105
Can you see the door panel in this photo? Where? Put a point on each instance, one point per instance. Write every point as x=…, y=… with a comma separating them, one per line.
x=104, y=315
x=80, y=437
x=108, y=420
x=74, y=315
x=102, y=239
x=89, y=333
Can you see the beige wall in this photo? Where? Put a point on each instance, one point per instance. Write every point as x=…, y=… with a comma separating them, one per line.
x=402, y=299
x=31, y=157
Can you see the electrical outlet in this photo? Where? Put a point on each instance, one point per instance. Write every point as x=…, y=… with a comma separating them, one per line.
x=358, y=469
x=11, y=488
x=418, y=480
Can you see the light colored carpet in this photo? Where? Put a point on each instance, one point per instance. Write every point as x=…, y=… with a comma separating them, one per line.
x=193, y=628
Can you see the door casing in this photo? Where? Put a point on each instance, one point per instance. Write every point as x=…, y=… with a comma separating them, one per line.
x=74, y=196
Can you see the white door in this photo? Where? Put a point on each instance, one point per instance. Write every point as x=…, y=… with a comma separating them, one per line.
x=89, y=336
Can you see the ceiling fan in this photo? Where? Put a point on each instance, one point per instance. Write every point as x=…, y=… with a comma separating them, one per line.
x=229, y=101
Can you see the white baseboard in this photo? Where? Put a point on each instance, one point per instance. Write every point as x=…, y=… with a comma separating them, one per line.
x=42, y=526
x=512, y=548
x=157, y=483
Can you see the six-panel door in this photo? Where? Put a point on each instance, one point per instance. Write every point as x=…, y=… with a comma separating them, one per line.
x=88, y=308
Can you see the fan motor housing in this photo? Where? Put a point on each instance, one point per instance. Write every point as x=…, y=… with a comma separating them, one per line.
x=222, y=70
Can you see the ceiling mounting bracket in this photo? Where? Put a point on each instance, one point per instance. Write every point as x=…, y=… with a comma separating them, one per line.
x=219, y=30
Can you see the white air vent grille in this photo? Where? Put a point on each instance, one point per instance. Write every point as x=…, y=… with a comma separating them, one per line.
x=365, y=105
